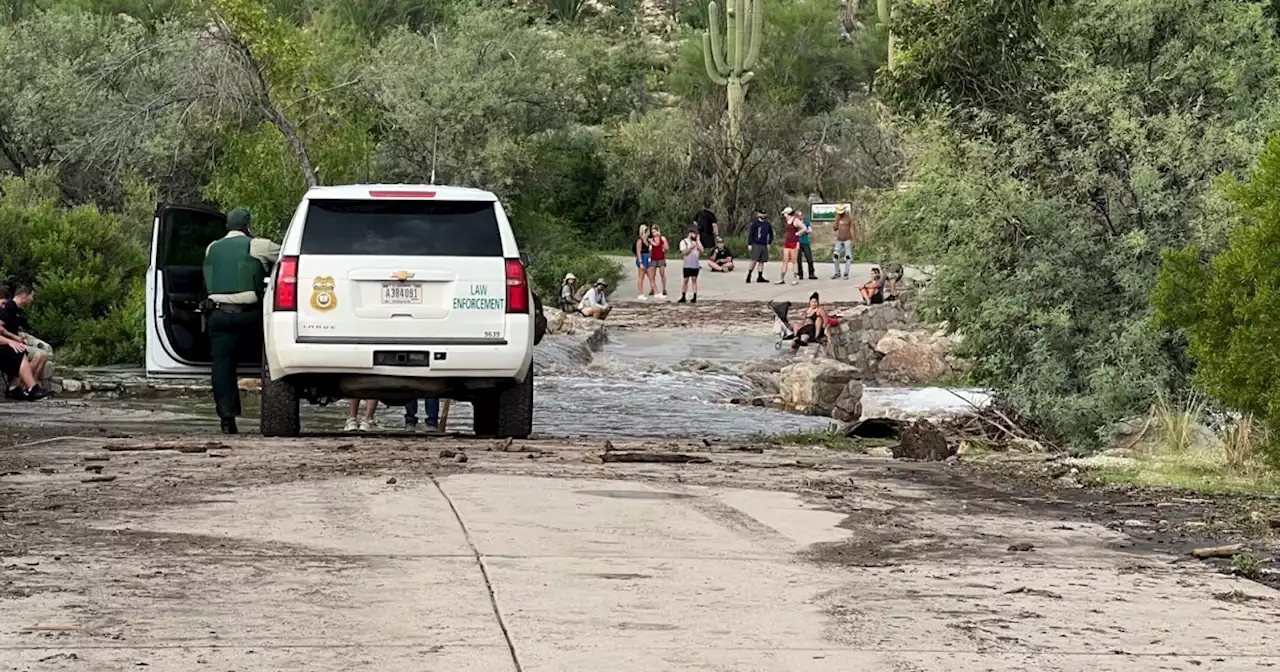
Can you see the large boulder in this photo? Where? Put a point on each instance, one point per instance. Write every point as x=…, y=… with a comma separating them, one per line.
x=814, y=386
x=848, y=406
x=560, y=323
x=911, y=357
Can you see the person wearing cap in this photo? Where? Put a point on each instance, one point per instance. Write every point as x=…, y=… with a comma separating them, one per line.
x=235, y=272
x=792, y=224
x=594, y=302
x=568, y=293
x=759, y=238
x=846, y=231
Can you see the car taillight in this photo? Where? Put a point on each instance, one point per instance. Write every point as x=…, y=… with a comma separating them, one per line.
x=517, y=287
x=286, y=296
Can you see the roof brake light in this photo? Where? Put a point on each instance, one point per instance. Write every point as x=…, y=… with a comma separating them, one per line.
x=402, y=194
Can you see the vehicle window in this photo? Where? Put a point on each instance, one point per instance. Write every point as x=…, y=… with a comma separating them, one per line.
x=187, y=234
x=409, y=227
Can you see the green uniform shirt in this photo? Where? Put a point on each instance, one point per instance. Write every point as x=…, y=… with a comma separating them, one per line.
x=236, y=266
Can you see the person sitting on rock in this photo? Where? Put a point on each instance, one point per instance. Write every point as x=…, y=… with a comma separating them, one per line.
x=873, y=290
x=814, y=326
x=568, y=293
x=595, y=303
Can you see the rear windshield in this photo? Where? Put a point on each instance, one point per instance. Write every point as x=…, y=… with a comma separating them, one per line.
x=402, y=228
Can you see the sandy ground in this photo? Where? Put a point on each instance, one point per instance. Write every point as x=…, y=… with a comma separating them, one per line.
x=388, y=553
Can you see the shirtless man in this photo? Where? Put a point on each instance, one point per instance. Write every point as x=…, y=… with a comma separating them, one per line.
x=846, y=231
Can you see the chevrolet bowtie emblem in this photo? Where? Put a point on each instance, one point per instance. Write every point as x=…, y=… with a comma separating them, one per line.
x=402, y=275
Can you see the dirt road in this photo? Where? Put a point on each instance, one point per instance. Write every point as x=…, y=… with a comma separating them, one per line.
x=388, y=553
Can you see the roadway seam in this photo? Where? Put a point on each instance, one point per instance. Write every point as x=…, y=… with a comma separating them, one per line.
x=484, y=573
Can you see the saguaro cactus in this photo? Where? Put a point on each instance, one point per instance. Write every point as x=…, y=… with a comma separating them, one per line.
x=885, y=9
x=731, y=68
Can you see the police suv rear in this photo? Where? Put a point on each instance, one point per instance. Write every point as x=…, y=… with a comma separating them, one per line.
x=395, y=292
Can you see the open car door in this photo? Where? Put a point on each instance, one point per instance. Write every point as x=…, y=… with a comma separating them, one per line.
x=177, y=344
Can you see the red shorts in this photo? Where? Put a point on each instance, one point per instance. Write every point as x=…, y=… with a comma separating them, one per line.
x=791, y=246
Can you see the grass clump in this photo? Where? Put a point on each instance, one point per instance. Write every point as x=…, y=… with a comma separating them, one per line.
x=1183, y=453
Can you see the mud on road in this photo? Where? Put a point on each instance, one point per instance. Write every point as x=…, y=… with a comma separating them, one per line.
x=993, y=572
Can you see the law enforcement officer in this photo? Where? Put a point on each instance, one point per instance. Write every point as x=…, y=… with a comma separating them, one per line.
x=235, y=270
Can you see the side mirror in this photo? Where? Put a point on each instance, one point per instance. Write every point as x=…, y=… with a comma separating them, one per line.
x=524, y=259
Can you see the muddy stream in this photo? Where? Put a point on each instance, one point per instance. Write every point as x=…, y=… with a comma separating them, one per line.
x=639, y=384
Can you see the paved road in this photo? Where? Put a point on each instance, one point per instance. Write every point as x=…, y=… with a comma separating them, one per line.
x=733, y=286
x=372, y=554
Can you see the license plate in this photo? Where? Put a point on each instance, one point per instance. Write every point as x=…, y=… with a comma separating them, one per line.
x=399, y=293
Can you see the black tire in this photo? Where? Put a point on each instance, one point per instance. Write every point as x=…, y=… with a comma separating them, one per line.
x=505, y=413
x=539, y=321
x=280, y=407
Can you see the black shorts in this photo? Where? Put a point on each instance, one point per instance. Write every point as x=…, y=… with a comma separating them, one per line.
x=691, y=272
x=10, y=361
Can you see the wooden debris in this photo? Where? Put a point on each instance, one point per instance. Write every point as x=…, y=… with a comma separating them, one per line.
x=1023, y=590
x=662, y=458
x=1217, y=551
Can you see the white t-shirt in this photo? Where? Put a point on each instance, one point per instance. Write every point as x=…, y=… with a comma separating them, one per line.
x=594, y=298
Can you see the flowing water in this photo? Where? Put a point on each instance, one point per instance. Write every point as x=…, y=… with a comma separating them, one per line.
x=639, y=384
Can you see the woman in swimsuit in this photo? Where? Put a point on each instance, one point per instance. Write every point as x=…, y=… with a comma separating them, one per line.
x=644, y=265
x=791, y=226
x=814, y=324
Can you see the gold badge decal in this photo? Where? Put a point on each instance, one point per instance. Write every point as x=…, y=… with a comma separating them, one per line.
x=401, y=275
x=322, y=297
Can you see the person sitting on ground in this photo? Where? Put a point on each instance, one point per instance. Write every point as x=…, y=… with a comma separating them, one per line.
x=721, y=258
x=813, y=327
x=23, y=380
x=594, y=303
x=14, y=317
x=873, y=290
x=568, y=300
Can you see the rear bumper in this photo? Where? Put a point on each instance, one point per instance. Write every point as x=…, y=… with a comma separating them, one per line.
x=287, y=357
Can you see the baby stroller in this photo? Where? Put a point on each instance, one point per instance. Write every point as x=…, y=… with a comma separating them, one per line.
x=786, y=333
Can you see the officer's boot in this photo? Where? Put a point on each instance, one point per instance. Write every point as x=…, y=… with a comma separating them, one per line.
x=229, y=426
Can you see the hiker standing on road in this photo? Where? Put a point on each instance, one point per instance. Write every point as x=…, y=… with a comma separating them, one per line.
x=759, y=238
x=705, y=222
x=806, y=251
x=691, y=249
x=846, y=233
x=235, y=272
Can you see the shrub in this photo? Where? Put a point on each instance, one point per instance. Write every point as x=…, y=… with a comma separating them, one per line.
x=87, y=267
x=1227, y=306
x=554, y=251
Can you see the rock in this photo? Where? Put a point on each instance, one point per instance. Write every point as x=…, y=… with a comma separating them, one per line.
x=560, y=323
x=880, y=451
x=848, y=406
x=250, y=384
x=923, y=441
x=814, y=387
x=894, y=340
x=461, y=458
x=446, y=454
x=72, y=386
x=1022, y=547
x=911, y=363
x=391, y=481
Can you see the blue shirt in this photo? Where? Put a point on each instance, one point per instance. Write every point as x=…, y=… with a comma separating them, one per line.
x=804, y=237
x=760, y=233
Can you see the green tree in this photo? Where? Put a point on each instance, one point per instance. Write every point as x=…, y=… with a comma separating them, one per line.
x=1048, y=176
x=1229, y=307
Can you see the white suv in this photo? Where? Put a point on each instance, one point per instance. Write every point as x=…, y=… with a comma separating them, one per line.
x=388, y=292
